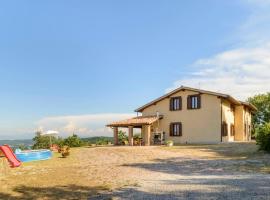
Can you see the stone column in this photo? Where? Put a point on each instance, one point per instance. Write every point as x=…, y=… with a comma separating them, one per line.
x=130, y=135
x=147, y=135
x=115, y=135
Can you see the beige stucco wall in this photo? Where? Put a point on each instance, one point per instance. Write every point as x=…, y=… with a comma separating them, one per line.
x=247, y=120
x=239, y=123
x=228, y=117
x=146, y=134
x=198, y=126
x=242, y=116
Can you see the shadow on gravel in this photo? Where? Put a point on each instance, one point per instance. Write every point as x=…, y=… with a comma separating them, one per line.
x=74, y=192
x=136, y=194
x=216, y=193
x=186, y=166
x=52, y=193
x=189, y=178
x=225, y=150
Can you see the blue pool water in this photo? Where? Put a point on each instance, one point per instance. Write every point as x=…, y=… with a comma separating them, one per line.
x=26, y=156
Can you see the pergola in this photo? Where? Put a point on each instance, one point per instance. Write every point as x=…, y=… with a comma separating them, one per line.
x=136, y=122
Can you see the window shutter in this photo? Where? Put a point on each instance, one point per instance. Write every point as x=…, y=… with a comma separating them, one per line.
x=224, y=129
x=180, y=129
x=171, y=104
x=171, y=129
x=189, y=102
x=180, y=103
x=199, y=101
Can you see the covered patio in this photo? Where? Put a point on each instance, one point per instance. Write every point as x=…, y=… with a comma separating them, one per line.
x=143, y=122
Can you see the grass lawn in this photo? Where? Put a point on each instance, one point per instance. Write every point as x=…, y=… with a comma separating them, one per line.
x=88, y=172
x=58, y=178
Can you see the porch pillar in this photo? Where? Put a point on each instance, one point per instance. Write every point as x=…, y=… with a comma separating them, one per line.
x=147, y=135
x=115, y=135
x=130, y=135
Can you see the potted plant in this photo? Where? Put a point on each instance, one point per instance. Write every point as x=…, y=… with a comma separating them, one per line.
x=169, y=143
x=65, y=151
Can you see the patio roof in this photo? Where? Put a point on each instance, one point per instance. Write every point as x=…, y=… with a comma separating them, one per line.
x=136, y=121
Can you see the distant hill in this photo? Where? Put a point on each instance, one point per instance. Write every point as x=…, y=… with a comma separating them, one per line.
x=93, y=140
x=16, y=143
x=29, y=142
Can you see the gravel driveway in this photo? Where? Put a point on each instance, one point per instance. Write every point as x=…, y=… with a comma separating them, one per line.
x=225, y=171
x=185, y=173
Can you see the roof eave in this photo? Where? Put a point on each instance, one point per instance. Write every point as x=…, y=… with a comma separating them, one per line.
x=225, y=96
x=140, y=109
x=250, y=105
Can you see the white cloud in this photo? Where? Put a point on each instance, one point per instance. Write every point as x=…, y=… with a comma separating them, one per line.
x=241, y=71
x=83, y=125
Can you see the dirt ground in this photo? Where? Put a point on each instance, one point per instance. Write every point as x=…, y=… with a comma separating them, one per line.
x=226, y=171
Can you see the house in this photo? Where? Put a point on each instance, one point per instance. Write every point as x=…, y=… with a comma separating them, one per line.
x=189, y=115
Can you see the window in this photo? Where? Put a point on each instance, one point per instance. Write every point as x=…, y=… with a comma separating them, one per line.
x=175, y=103
x=176, y=129
x=194, y=102
x=232, y=130
x=224, y=129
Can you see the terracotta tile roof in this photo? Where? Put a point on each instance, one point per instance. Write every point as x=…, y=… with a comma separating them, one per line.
x=136, y=121
x=225, y=96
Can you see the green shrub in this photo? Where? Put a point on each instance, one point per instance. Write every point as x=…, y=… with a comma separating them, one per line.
x=263, y=137
x=94, y=140
x=73, y=141
x=43, y=142
x=102, y=142
x=23, y=147
x=122, y=138
x=60, y=142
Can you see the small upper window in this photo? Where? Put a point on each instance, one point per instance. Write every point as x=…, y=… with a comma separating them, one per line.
x=175, y=103
x=194, y=102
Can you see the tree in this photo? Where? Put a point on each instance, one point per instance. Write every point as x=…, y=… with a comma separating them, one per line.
x=262, y=102
x=263, y=137
x=43, y=142
x=261, y=120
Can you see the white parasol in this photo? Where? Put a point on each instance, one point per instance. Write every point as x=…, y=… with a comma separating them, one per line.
x=50, y=133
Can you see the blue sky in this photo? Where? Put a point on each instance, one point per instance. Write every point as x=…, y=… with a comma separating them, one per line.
x=77, y=65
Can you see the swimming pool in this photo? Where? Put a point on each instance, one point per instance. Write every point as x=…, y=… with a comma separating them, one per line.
x=32, y=155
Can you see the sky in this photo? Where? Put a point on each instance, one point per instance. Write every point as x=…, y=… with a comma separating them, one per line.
x=74, y=66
